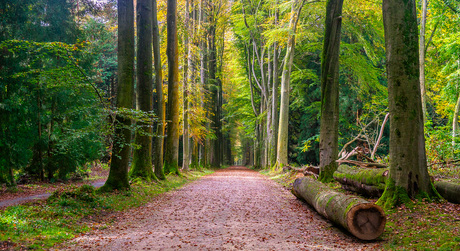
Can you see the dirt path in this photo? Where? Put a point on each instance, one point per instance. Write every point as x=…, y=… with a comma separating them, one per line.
x=232, y=209
x=38, y=195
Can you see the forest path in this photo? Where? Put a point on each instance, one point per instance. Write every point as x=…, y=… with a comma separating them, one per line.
x=38, y=195
x=232, y=209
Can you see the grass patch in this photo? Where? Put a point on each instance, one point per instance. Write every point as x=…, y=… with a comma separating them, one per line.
x=68, y=212
x=423, y=226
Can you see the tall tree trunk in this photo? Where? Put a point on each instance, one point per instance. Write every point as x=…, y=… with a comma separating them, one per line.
x=118, y=175
x=329, y=128
x=275, y=105
x=282, y=145
x=158, y=100
x=142, y=156
x=213, y=89
x=186, y=146
x=172, y=138
x=422, y=58
x=455, y=121
x=456, y=112
x=408, y=169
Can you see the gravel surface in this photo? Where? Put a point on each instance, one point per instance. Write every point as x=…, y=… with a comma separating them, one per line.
x=232, y=209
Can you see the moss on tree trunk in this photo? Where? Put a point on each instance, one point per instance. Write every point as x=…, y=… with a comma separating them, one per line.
x=142, y=157
x=408, y=170
x=172, y=128
x=329, y=124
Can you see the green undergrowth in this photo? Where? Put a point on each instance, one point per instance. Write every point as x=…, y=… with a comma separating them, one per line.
x=68, y=213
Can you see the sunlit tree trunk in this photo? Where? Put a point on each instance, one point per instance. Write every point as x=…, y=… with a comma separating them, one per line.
x=172, y=138
x=455, y=121
x=329, y=128
x=408, y=169
x=159, y=101
x=142, y=154
x=422, y=57
x=186, y=145
x=118, y=175
x=213, y=89
x=275, y=104
x=282, y=145
x=456, y=112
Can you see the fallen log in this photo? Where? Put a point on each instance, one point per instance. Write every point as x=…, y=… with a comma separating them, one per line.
x=372, y=177
x=368, y=182
x=449, y=191
x=362, y=164
x=361, y=218
x=371, y=182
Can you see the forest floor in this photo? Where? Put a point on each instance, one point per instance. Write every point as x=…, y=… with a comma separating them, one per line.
x=233, y=209
x=23, y=193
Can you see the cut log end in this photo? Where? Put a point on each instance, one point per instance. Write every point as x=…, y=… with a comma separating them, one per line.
x=366, y=221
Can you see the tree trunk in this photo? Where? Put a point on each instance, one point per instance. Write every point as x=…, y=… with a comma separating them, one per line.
x=282, y=145
x=449, y=191
x=275, y=105
x=408, y=170
x=422, y=57
x=172, y=138
x=455, y=120
x=159, y=102
x=361, y=218
x=118, y=175
x=186, y=146
x=142, y=155
x=329, y=125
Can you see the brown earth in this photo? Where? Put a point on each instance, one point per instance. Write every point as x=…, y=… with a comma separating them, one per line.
x=232, y=209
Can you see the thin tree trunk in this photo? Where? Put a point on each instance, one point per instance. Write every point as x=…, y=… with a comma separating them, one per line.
x=408, y=170
x=282, y=146
x=159, y=102
x=118, y=175
x=328, y=145
x=186, y=146
x=422, y=58
x=142, y=155
x=455, y=121
x=172, y=138
x=275, y=104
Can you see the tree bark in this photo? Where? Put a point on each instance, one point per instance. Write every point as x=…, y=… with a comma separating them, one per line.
x=422, y=58
x=159, y=102
x=329, y=125
x=456, y=113
x=172, y=138
x=282, y=145
x=142, y=154
x=118, y=174
x=186, y=145
x=275, y=105
x=408, y=170
x=361, y=218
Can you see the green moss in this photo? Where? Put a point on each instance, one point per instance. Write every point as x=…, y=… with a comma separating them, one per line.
x=171, y=168
x=393, y=196
x=142, y=173
x=326, y=172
